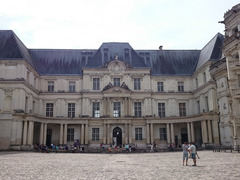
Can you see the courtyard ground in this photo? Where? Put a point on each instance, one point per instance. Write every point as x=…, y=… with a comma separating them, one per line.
x=161, y=165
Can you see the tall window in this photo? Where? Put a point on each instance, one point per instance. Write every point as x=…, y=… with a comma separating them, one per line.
x=196, y=82
x=116, y=109
x=95, y=134
x=180, y=86
x=96, y=109
x=138, y=133
x=198, y=107
x=161, y=109
x=70, y=134
x=204, y=77
x=137, y=109
x=182, y=109
x=72, y=86
x=50, y=86
x=49, y=109
x=96, y=83
x=206, y=104
x=163, y=134
x=137, y=83
x=71, y=110
x=116, y=82
x=160, y=86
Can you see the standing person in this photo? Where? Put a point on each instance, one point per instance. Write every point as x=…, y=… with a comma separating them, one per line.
x=185, y=147
x=192, y=149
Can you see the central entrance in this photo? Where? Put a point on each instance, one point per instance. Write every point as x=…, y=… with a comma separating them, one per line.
x=117, y=136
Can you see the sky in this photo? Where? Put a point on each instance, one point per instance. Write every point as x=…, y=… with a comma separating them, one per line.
x=86, y=24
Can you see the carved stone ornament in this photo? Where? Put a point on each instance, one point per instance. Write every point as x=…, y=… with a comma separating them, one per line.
x=116, y=67
x=8, y=91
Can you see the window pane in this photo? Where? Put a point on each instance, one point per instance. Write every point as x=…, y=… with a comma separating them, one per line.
x=116, y=109
x=72, y=86
x=96, y=109
x=160, y=86
x=161, y=109
x=137, y=109
x=96, y=85
x=116, y=82
x=71, y=110
x=95, y=134
x=49, y=109
x=137, y=84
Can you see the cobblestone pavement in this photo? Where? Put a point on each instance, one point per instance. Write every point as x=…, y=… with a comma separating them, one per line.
x=164, y=165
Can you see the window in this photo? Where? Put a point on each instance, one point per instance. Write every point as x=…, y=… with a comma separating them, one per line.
x=161, y=109
x=95, y=134
x=126, y=54
x=116, y=82
x=96, y=84
x=196, y=82
x=238, y=80
x=160, y=86
x=180, y=86
x=70, y=134
x=137, y=84
x=116, y=109
x=206, y=104
x=204, y=77
x=198, y=107
x=49, y=109
x=71, y=110
x=137, y=109
x=182, y=109
x=138, y=133
x=163, y=134
x=72, y=86
x=96, y=109
x=50, y=86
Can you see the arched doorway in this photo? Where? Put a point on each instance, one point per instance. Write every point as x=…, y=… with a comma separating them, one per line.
x=117, y=136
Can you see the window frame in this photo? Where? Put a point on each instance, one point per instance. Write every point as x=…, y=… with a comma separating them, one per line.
x=72, y=86
x=49, y=109
x=50, y=86
x=96, y=109
x=137, y=83
x=95, y=134
x=161, y=109
x=71, y=110
x=182, y=109
x=138, y=134
x=116, y=82
x=96, y=83
x=163, y=133
x=70, y=134
x=137, y=109
x=160, y=86
x=181, y=86
x=116, y=109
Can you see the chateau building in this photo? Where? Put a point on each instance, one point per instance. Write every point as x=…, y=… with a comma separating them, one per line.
x=118, y=95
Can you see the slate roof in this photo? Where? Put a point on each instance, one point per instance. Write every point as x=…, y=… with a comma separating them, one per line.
x=71, y=61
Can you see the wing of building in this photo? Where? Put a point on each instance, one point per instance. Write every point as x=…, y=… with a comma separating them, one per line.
x=117, y=95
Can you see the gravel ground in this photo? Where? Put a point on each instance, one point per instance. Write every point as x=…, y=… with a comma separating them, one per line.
x=164, y=165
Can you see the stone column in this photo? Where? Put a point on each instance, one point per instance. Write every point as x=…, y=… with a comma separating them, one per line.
x=148, y=137
x=108, y=133
x=30, y=133
x=210, y=132
x=215, y=132
x=168, y=134
x=25, y=132
x=129, y=107
x=104, y=134
x=172, y=133
x=65, y=134
x=126, y=133
x=192, y=132
x=151, y=126
x=61, y=134
x=189, y=132
x=82, y=133
x=130, y=133
x=86, y=134
x=45, y=134
x=41, y=134
x=204, y=131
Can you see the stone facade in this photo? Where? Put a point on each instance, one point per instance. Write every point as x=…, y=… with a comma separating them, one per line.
x=125, y=99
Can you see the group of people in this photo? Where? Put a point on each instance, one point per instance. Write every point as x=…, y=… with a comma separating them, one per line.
x=189, y=150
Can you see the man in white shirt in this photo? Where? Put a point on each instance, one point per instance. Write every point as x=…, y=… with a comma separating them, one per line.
x=193, y=151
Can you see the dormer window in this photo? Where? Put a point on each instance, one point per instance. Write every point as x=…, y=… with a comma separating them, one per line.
x=116, y=81
x=126, y=54
x=105, y=54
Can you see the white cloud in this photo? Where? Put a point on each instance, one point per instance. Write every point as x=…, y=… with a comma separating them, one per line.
x=145, y=24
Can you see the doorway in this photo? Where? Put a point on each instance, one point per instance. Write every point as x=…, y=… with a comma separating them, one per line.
x=49, y=137
x=117, y=136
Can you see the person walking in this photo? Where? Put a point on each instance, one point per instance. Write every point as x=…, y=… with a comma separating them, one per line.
x=185, y=147
x=192, y=149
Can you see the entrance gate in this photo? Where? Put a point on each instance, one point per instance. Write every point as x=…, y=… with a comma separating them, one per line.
x=117, y=136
